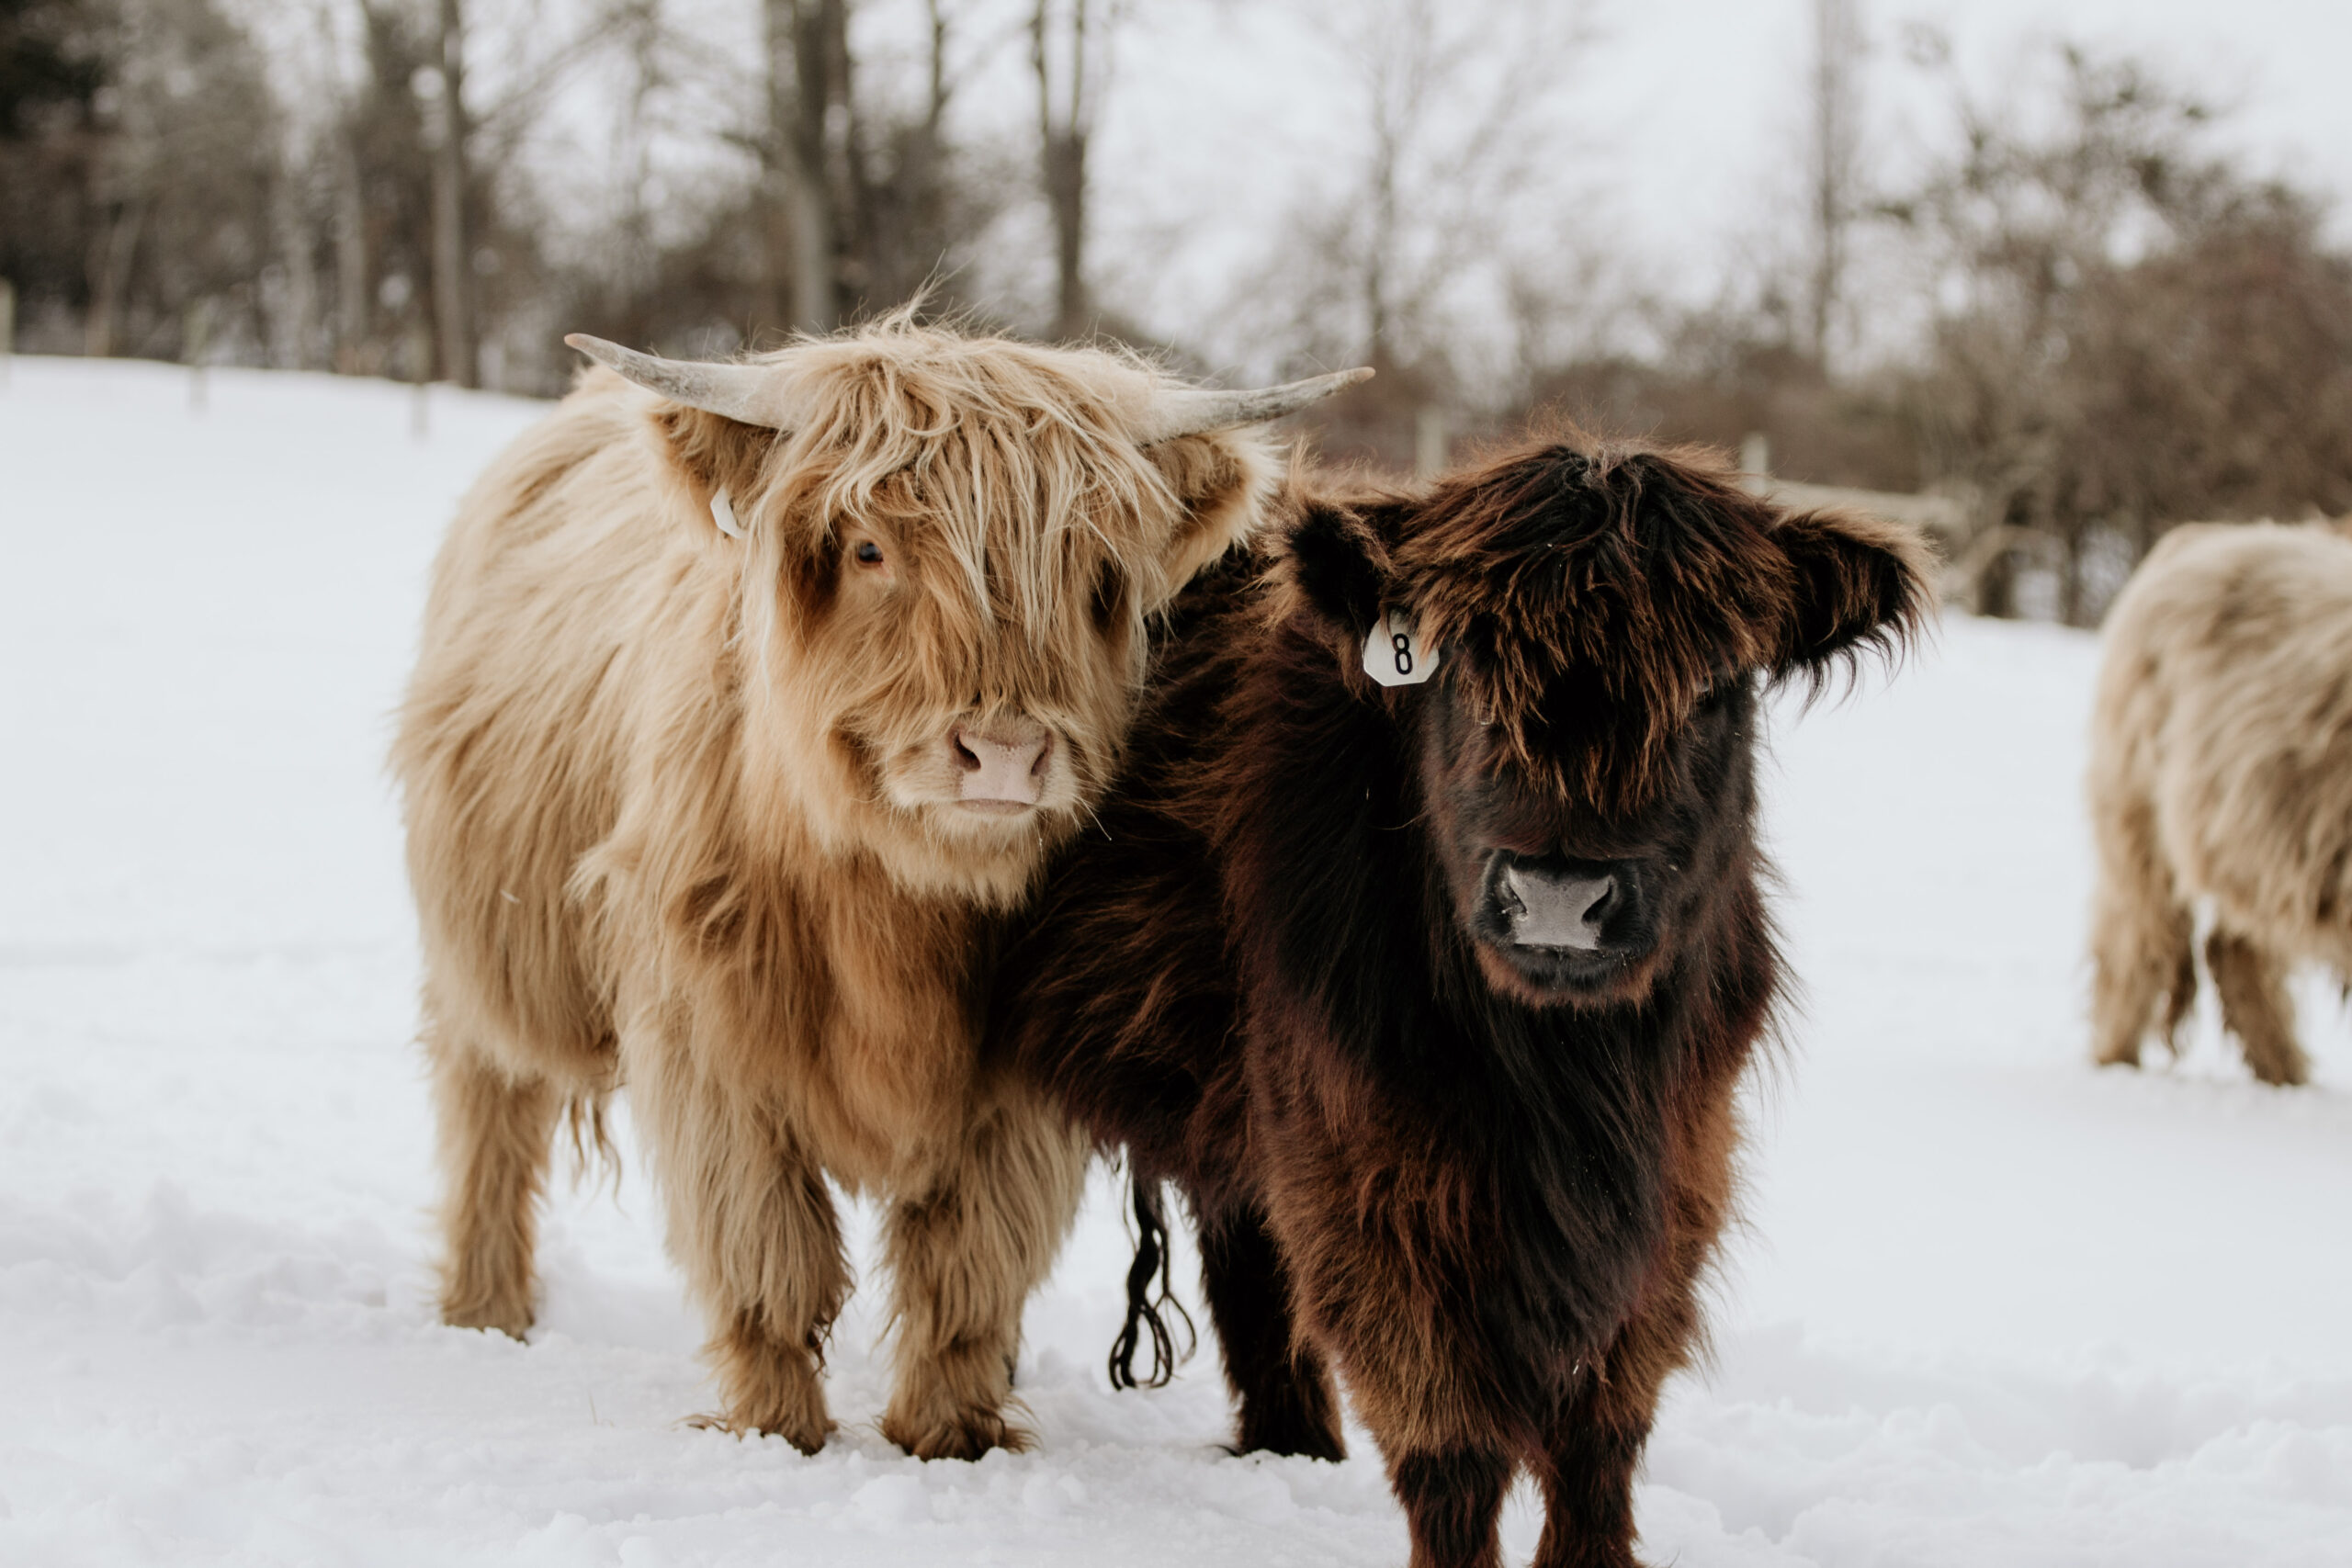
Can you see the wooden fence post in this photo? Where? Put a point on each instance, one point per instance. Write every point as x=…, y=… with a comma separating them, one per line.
x=196, y=341
x=420, y=359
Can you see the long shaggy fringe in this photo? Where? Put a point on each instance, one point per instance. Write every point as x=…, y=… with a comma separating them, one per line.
x=1592, y=577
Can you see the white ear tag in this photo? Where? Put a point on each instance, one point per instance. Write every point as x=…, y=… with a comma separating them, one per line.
x=722, y=512
x=1394, y=654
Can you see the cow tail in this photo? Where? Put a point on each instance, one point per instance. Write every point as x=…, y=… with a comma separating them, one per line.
x=1151, y=1295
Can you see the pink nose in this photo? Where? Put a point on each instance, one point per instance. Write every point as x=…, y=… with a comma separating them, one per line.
x=1002, y=763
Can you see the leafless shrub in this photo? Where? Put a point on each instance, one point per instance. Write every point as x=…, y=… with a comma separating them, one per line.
x=2130, y=330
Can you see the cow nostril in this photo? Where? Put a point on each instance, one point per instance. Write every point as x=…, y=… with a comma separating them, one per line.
x=966, y=758
x=1598, y=910
x=1045, y=755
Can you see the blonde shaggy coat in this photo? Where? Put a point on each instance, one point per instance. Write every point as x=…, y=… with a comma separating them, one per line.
x=683, y=815
x=2222, y=770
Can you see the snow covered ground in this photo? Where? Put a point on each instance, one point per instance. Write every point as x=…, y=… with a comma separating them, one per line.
x=1996, y=1307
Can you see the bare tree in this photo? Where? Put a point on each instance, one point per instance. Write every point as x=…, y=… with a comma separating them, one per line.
x=453, y=307
x=915, y=195
x=2133, y=331
x=351, y=297
x=386, y=221
x=1415, y=254
x=1836, y=160
x=382, y=176
x=472, y=146
x=807, y=95
x=1070, y=45
x=179, y=203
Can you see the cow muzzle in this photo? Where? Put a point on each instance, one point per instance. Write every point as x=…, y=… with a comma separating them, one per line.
x=1000, y=764
x=1544, y=908
x=1552, y=912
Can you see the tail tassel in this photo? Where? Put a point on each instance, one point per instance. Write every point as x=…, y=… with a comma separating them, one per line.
x=1151, y=1297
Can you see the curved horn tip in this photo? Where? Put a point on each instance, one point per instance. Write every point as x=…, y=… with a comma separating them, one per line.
x=1197, y=410
x=742, y=392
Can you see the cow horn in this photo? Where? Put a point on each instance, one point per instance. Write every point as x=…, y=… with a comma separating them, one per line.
x=1194, y=411
x=744, y=392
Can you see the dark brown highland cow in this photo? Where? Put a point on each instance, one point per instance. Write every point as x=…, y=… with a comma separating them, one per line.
x=1432, y=1000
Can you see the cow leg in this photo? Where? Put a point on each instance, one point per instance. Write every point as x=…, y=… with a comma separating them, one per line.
x=1591, y=1457
x=2255, y=1007
x=1594, y=1442
x=1591, y=1453
x=964, y=1256
x=751, y=1224
x=1453, y=1500
x=1288, y=1402
x=496, y=1134
x=2143, y=941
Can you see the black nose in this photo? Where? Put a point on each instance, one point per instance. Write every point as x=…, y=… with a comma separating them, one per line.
x=1546, y=908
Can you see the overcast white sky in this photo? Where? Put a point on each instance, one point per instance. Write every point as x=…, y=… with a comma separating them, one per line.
x=1704, y=95
x=1686, y=115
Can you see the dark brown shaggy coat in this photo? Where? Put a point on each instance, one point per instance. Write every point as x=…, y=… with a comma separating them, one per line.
x=1479, y=1174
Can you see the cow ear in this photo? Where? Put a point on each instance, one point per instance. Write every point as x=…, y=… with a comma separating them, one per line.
x=1331, y=567
x=1860, y=584
x=1223, y=481
x=709, y=457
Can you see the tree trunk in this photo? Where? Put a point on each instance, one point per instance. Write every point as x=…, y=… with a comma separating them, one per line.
x=1379, y=350
x=922, y=221
x=114, y=278
x=1063, y=125
x=297, y=330
x=1996, y=588
x=800, y=212
x=452, y=246
x=899, y=216
x=1835, y=148
x=2070, y=578
x=1066, y=193
x=350, y=260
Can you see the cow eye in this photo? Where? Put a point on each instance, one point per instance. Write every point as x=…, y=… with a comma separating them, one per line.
x=869, y=553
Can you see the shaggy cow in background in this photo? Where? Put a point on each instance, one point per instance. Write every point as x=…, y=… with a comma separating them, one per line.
x=1431, y=995
x=750, y=696
x=2221, y=769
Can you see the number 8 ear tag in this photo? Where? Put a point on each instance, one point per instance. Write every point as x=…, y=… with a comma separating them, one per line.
x=1394, y=654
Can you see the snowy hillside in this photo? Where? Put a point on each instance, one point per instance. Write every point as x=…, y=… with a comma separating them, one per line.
x=1996, y=1307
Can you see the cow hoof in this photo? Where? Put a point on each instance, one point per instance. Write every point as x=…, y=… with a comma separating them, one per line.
x=1301, y=1443
x=514, y=1322
x=801, y=1435
x=967, y=1434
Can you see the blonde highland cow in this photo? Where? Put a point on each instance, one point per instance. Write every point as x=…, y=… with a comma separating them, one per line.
x=2222, y=770
x=751, y=695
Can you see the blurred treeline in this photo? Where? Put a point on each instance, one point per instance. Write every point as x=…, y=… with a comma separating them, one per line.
x=2071, y=314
